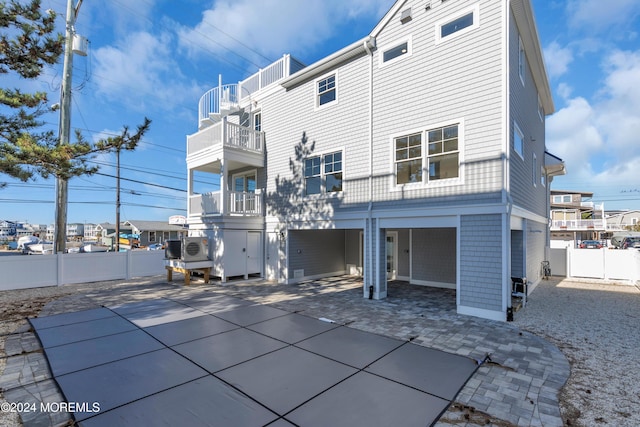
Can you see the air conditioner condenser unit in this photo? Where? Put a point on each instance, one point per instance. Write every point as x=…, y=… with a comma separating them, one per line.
x=195, y=249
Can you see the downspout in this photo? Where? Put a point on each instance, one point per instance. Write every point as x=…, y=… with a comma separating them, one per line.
x=369, y=269
x=507, y=199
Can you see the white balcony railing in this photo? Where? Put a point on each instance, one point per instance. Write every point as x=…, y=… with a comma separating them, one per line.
x=227, y=134
x=228, y=97
x=578, y=224
x=238, y=203
x=245, y=203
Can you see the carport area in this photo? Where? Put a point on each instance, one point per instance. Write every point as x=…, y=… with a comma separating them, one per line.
x=423, y=256
x=216, y=359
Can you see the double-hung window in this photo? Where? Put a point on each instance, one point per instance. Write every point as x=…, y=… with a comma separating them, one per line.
x=408, y=158
x=443, y=153
x=323, y=174
x=326, y=90
x=434, y=152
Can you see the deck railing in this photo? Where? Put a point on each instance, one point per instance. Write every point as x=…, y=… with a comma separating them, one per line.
x=238, y=203
x=227, y=134
x=227, y=97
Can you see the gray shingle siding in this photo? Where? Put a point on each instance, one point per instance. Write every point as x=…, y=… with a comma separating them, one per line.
x=433, y=253
x=317, y=252
x=481, y=261
x=536, y=242
x=524, y=112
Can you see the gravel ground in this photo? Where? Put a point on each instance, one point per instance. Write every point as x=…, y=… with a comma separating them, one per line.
x=595, y=324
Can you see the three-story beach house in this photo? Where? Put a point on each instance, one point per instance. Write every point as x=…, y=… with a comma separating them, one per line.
x=416, y=153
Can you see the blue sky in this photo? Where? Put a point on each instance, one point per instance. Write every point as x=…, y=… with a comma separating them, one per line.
x=155, y=58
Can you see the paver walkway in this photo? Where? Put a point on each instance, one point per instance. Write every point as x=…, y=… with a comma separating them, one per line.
x=519, y=385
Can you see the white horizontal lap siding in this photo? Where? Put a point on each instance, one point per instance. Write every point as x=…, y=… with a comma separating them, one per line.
x=524, y=111
x=457, y=79
x=341, y=126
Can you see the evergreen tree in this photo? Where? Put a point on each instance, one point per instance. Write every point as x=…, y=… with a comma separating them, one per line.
x=28, y=43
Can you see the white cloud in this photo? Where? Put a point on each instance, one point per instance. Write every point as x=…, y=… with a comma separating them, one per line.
x=598, y=16
x=139, y=71
x=620, y=110
x=599, y=140
x=274, y=27
x=572, y=135
x=557, y=59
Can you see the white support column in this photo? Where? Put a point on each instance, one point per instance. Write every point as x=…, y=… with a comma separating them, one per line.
x=223, y=188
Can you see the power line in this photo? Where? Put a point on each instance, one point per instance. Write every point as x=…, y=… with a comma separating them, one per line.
x=145, y=183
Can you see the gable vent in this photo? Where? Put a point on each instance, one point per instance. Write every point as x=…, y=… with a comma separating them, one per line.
x=405, y=16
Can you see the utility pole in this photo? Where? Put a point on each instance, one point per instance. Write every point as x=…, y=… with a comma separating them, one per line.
x=117, y=247
x=60, y=227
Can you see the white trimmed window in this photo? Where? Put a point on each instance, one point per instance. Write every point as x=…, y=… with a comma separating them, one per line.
x=436, y=151
x=518, y=140
x=522, y=60
x=543, y=177
x=152, y=236
x=396, y=52
x=326, y=90
x=323, y=173
x=540, y=109
x=459, y=24
x=443, y=154
x=257, y=121
x=408, y=158
x=534, y=170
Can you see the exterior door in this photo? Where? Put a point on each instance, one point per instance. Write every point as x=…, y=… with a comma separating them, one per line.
x=254, y=252
x=244, y=186
x=392, y=255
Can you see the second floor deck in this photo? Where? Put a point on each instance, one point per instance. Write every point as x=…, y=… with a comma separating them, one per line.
x=225, y=140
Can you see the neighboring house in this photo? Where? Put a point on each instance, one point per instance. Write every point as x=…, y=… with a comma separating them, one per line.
x=7, y=229
x=575, y=217
x=623, y=220
x=416, y=153
x=106, y=232
x=75, y=231
x=155, y=231
x=90, y=232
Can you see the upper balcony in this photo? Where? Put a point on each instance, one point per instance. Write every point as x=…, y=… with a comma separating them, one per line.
x=225, y=99
x=225, y=140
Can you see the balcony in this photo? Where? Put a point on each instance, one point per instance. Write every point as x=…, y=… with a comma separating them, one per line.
x=236, y=204
x=577, y=225
x=225, y=140
x=224, y=99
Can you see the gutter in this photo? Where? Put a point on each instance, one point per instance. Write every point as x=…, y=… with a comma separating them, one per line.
x=355, y=49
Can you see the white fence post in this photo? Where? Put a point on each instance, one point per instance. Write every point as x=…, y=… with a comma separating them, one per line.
x=59, y=269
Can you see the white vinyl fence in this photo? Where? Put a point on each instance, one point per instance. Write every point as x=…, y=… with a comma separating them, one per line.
x=609, y=264
x=21, y=272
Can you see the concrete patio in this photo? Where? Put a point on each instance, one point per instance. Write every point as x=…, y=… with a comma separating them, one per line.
x=519, y=385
